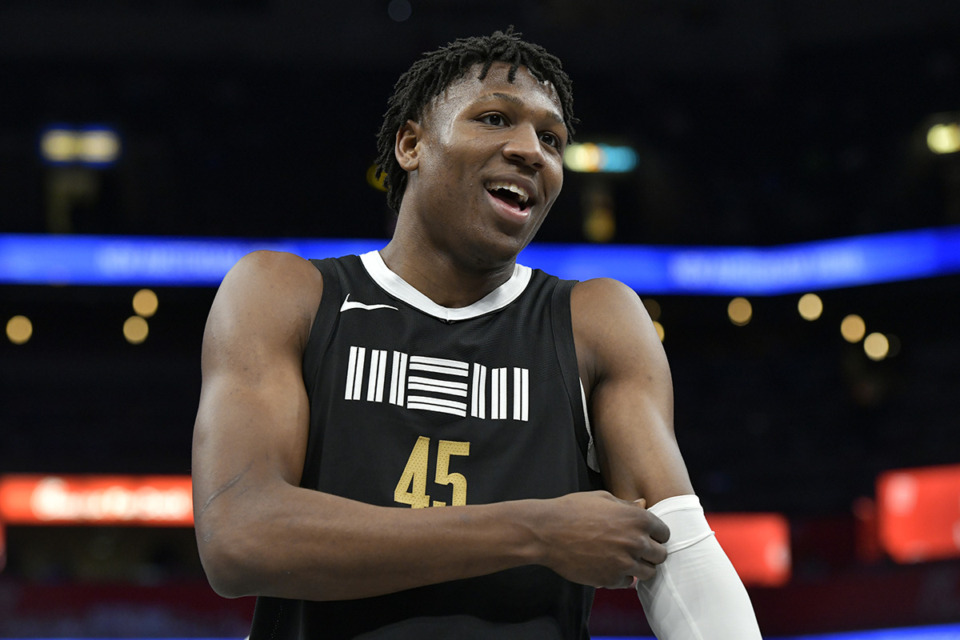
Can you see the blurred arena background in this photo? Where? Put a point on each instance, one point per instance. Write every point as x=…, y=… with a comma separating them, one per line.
x=829, y=461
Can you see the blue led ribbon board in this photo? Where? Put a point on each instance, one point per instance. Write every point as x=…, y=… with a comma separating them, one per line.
x=813, y=266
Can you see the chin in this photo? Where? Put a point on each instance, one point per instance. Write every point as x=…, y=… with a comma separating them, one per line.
x=499, y=252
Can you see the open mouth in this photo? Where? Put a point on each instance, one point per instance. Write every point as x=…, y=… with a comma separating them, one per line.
x=512, y=194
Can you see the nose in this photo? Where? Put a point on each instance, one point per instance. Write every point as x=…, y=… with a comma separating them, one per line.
x=524, y=147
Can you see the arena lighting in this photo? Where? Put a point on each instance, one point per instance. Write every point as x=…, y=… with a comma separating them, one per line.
x=853, y=328
x=19, y=329
x=810, y=307
x=145, y=303
x=741, y=271
x=96, y=500
x=93, y=146
x=944, y=138
x=740, y=311
x=590, y=157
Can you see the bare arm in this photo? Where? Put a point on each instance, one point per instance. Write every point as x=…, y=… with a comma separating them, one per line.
x=259, y=533
x=695, y=593
x=630, y=394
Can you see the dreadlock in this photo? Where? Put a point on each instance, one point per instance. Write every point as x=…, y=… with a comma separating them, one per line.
x=436, y=70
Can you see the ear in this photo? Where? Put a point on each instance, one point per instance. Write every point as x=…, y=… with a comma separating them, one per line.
x=407, y=147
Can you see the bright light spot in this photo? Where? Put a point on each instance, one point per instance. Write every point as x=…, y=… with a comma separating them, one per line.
x=853, y=328
x=582, y=157
x=740, y=311
x=944, y=138
x=810, y=306
x=145, y=303
x=659, y=328
x=98, y=146
x=399, y=10
x=653, y=308
x=19, y=329
x=135, y=329
x=58, y=145
x=876, y=346
x=589, y=157
x=94, y=146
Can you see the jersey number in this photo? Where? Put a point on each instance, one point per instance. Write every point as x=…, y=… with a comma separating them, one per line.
x=412, y=488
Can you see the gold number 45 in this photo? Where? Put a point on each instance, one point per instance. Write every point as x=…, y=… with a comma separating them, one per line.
x=412, y=488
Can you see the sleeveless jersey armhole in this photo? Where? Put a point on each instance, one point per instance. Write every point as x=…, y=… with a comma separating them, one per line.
x=320, y=335
x=567, y=356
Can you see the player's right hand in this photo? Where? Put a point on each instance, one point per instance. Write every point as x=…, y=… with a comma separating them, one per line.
x=597, y=539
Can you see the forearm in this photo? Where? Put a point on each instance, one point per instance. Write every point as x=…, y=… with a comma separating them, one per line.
x=303, y=544
x=696, y=594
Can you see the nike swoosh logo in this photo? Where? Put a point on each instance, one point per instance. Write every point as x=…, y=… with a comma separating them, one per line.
x=347, y=305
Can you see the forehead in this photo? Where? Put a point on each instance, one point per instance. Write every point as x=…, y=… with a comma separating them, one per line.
x=525, y=90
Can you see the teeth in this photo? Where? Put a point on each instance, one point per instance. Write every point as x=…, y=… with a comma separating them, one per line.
x=509, y=186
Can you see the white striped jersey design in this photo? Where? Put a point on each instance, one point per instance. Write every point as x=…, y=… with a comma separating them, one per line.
x=438, y=384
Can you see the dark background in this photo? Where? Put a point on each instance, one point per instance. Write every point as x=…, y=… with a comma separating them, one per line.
x=757, y=123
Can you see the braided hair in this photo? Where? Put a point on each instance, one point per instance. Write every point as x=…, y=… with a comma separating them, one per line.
x=436, y=70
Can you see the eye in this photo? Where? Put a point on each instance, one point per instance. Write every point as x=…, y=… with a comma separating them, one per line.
x=493, y=119
x=551, y=139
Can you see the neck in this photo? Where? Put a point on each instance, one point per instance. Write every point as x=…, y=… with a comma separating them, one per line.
x=445, y=278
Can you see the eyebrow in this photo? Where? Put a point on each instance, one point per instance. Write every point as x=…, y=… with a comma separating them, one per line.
x=517, y=100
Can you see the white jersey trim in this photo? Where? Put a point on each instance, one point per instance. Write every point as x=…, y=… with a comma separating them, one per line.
x=400, y=288
x=592, y=460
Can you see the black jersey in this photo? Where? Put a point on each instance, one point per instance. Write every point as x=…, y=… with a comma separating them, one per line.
x=417, y=405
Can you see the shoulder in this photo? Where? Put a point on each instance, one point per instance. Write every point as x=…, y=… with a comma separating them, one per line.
x=611, y=327
x=269, y=292
x=605, y=291
x=272, y=267
x=603, y=304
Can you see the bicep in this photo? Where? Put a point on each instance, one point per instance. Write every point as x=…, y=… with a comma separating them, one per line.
x=630, y=393
x=251, y=425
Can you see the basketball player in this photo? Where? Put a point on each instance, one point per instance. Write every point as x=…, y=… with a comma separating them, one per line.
x=432, y=441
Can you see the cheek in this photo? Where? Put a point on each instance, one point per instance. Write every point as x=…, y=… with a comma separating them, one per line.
x=554, y=180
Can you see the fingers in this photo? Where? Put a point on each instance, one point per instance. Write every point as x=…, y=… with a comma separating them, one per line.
x=659, y=531
x=624, y=543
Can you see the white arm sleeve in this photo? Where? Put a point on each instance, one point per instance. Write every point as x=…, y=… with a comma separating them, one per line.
x=696, y=594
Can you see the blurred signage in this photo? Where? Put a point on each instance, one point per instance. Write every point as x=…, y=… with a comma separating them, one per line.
x=96, y=500
x=812, y=266
x=758, y=545
x=918, y=513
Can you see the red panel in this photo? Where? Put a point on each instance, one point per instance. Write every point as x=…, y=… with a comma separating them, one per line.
x=758, y=545
x=100, y=500
x=919, y=513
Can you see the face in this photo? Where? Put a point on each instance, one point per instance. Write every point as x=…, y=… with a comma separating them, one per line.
x=485, y=164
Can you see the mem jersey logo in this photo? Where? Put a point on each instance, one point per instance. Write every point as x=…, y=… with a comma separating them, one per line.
x=347, y=305
x=438, y=384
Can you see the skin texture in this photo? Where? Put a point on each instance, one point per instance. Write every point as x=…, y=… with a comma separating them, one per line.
x=260, y=534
